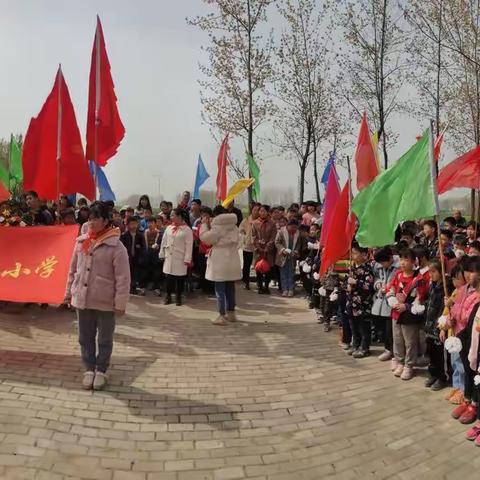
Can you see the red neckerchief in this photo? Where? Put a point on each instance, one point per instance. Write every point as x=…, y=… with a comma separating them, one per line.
x=95, y=238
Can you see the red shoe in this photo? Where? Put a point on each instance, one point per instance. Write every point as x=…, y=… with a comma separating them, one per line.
x=460, y=410
x=473, y=433
x=470, y=415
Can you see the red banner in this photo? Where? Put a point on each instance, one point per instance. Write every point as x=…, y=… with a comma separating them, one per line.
x=34, y=263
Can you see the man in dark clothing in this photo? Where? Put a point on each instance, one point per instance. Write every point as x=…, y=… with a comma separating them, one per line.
x=38, y=214
x=135, y=244
x=232, y=209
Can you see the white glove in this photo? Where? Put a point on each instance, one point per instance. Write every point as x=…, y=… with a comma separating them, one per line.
x=476, y=380
x=442, y=322
x=334, y=296
x=306, y=268
x=316, y=276
x=392, y=302
x=417, y=308
x=287, y=251
x=322, y=292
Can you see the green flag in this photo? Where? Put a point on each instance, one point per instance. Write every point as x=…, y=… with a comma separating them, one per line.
x=4, y=175
x=15, y=158
x=405, y=191
x=255, y=174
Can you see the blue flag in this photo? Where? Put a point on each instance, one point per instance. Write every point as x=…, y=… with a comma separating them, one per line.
x=106, y=192
x=200, y=178
x=328, y=166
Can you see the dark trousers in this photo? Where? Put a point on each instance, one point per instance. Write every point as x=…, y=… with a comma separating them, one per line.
x=383, y=326
x=263, y=280
x=152, y=272
x=134, y=274
x=225, y=292
x=175, y=284
x=306, y=282
x=206, y=285
x=275, y=275
x=344, y=319
x=247, y=265
x=361, y=333
x=436, y=367
x=91, y=322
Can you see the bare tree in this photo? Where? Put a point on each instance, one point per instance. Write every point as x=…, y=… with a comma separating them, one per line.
x=235, y=78
x=303, y=84
x=374, y=60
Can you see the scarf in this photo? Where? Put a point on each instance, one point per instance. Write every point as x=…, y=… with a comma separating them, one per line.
x=93, y=239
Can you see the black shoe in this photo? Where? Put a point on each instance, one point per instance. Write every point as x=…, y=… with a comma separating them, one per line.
x=168, y=300
x=438, y=385
x=246, y=286
x=326, y=327
x=261, y=291
x=178, y=302
x=430, y=381
x=267, y=291
x=361, y=354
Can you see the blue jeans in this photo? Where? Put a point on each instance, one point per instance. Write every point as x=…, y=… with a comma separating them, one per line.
x=458, y=377
x=225, y=292
x=287, y=275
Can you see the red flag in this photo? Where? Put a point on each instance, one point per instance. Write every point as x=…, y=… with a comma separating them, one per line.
x=340, y=233
x=367, y=167
x=331, y=198
x=438, y=146
x=222, y=164
x=4, y=193
x=53, y=160
x=462, y=172
x=37, y=274
x=102, y=106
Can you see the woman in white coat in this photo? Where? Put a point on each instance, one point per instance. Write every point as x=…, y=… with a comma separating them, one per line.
x=223, y=262
x=176, y=250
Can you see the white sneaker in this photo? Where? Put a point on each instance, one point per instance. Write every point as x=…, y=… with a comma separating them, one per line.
x=395, y=364
x=231, y=317
x=100, y=381
x=284, y=293
x=385, y=356
x=290, y=293
x=88, y=378
x=220, y=320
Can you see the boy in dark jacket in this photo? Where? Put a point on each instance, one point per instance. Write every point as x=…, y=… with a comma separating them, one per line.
x=134, y=242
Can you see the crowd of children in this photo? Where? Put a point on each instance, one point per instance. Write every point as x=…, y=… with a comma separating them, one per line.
x=423, y=312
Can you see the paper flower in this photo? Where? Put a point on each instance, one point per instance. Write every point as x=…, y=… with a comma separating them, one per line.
x=392, y=302
x=476, y=380
x=334, y=296
x=453, y=345
x=417, y=308
x=306, y=268
x=322, y=292
x=316, y=276
x=442, y=322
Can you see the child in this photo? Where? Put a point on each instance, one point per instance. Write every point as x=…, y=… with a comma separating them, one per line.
x=151, y=262
x=406, y=287
x=134, y=242
x=460, y=245
x=359, y=302
x=288, y=247
x=474, y=250
x=472, y=232
x=67, y=216
x=434, y=340
x=430, y=240
x=384, y=270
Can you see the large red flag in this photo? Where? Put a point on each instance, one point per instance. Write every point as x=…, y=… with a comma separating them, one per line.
x=53, y=160
x=222, y=164
x=462, y=172
x=367, y=167
x=36, y=274
x=331, y=198
x=4, y=193
x=340, y=233
x=102, y=106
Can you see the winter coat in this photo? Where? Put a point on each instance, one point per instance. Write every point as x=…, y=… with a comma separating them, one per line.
x=138, y=251
x=99, y=279
x=263, y=237
x=223, y=260
x=433, y=310
x=466, y=298
x=176, y=249
x=383, y=276
x=282, y=244
x=360, y=295
x=246, y=242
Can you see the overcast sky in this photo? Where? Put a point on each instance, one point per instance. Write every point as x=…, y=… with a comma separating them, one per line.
x=154, y=57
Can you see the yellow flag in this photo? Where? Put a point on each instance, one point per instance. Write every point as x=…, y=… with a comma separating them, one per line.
x=375, y=149
x=239, y=187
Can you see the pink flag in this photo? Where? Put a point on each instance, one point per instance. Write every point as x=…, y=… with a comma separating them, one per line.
x=331, y=198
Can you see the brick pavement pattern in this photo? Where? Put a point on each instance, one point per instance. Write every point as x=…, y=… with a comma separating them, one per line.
x=271, y=397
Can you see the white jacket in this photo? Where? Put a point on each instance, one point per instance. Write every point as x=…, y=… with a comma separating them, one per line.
x=223, y=262
x=176, y=249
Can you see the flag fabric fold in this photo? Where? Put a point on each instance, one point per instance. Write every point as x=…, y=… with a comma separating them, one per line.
x=15, y=160
x=237, y=188
x=341, y=232
x=328, y=166
x=365, y=157
x=104, y=189
x=254, y=170
x=4, y=193
x=222, y=165
x=53, y=149
x=331, y=198
x=200, y=177
x=102, y=106
x=405, y=191
x=463, y=172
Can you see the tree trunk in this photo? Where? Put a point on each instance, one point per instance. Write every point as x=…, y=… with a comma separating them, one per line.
x=315, y=168
x=301, y=186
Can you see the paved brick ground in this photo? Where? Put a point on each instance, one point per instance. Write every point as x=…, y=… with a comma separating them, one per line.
x=269, y=398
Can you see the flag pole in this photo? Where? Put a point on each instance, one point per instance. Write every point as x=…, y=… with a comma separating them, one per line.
x=10, y=164
x=59, y=135
x=349, y=206
x=433, y=179
x=98, y=87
